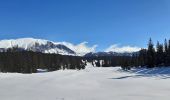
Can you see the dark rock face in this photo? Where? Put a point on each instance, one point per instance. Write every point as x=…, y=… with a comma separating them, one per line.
x=100, y=54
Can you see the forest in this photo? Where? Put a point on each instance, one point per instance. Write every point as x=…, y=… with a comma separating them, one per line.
x=21, y=61
x=154, y=56
x=16, y=60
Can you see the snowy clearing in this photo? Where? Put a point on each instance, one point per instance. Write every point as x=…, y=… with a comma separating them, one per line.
x=89, y=84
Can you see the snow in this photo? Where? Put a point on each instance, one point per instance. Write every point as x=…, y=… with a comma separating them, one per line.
x=80, y=49
x=122, y=49
x=92, y=83
x=42, y=70
x=21, y=42
x=26, y=43
x=58, y=51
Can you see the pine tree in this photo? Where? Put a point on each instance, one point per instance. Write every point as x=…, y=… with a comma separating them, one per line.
x=168, y=54
x=98, y=63
x=150, y=54
x=165, y=53
x=159, y=54
x=165, y=46
x=142, y=58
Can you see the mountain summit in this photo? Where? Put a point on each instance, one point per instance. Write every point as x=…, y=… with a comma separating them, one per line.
x=41, y=45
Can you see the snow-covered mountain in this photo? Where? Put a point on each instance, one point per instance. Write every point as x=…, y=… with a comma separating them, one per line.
x=63, y=48
x=40, y=45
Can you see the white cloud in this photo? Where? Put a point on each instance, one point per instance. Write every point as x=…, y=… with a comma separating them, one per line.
x=122, y=49
x=81, y=48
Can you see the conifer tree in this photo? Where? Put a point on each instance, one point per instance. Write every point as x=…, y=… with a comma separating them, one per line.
x=150, y=54
x=165, y=53
x=159, y=54
x=168, y=54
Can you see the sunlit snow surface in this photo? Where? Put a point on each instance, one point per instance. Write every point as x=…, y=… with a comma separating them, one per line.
x=89, y=84
x=27, y=43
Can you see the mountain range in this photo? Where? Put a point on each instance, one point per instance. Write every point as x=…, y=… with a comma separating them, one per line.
x=46, y=46
x=100, y=54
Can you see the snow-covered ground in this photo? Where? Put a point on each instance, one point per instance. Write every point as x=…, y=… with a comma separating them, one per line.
x=89, y=84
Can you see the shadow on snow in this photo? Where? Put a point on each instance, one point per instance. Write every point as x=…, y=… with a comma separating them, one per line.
x=158, y=73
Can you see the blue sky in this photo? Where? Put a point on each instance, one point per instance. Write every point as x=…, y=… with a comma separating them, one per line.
x=101, y=22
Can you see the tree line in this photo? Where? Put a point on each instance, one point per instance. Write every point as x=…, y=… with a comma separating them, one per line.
x=106, y=61
x=16, y=60
x=153, y=56
x=21, y=61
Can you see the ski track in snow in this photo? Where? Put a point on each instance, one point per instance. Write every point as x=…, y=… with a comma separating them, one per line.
x=88, y=84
